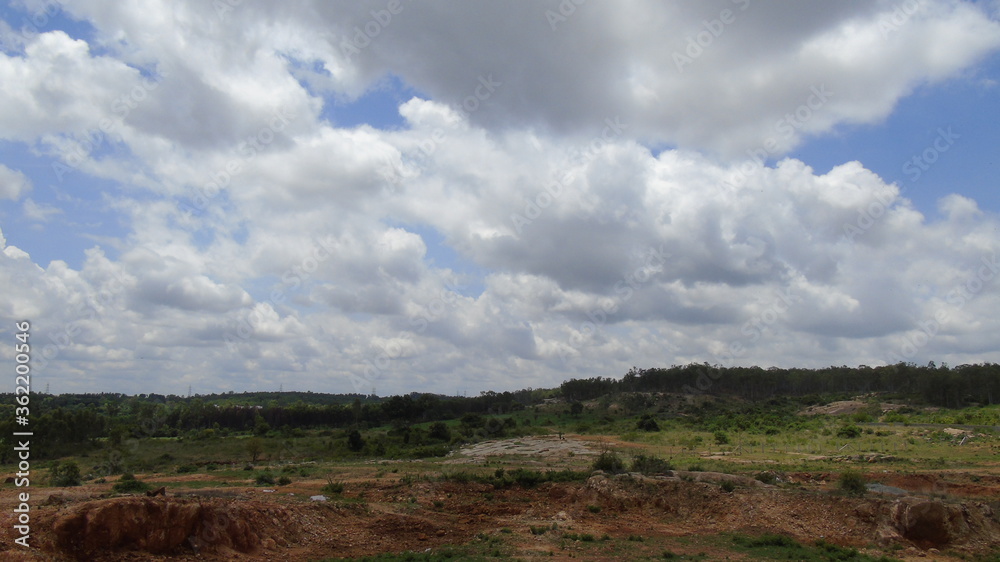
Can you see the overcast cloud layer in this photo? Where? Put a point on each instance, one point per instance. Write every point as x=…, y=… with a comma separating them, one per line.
x=572, y=190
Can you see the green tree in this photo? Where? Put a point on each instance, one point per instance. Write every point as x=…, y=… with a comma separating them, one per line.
x=65, y=474
x=255, y=447
x=354, y=441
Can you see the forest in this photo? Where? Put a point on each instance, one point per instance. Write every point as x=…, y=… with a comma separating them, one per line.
x=65, y=424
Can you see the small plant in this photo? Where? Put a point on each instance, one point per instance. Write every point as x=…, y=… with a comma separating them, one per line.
x=635, y=538
x=332, y=487
x=186, y=469
x=608, y=461
x=65, y=474
x=852, y=483
x=647, y=464
x=537, y=530
x=594, y=508
x=284, y=481
x=438, y=504
x=264, y=479
x=728, y=486
x=128, y=484
x=696, y=468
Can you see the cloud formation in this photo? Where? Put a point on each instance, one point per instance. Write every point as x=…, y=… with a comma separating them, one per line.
x=571, y=193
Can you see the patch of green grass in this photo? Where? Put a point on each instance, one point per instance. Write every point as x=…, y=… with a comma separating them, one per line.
x=773, y=546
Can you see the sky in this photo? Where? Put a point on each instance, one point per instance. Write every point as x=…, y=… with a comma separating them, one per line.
x=453, y=197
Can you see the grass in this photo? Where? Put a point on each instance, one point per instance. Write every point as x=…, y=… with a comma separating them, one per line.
x=780, y=547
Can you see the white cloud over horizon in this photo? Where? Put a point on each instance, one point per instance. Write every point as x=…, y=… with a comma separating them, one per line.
x=554, y=203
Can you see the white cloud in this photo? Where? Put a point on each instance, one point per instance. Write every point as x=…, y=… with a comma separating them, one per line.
x=13, y=184
x=267, y=246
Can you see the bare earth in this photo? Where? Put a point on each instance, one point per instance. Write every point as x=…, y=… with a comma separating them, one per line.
x=386, y=515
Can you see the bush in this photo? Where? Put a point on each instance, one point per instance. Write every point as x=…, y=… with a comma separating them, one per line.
x=333, y=487
x=284, y=481
x=355, y=441
x=610, y=462
x=186, y=468
x=852, y=483
x=767, y=477
x=439, y=430
x=128, y=484
x=727, y=486
x=65, y=474
x=721, y=438
x=264, y=479
x=849, y=431
x=647, y=423
x=650, y=465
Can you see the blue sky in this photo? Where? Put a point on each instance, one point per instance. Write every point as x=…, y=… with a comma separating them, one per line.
x=468, y=196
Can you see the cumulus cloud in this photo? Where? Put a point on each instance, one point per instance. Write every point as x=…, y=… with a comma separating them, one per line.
x=265, y=245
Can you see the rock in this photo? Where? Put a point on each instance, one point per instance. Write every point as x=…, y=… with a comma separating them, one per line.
x=929, y=522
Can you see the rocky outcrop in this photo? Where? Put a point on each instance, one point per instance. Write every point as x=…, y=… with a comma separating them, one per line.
x=925, y=522
x=160, y=526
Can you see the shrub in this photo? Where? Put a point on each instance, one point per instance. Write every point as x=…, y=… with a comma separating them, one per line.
x=264, y=479
x=650, y=465
x=727, y=486
x=65, y=474
x=721, y=438
x=186, y=468
x=354, y=441
x=128, y=484
x=332, y=487
x=609, y=461
x=852, y=483
x=849, y=431
x=594, y=508
x=647, y=423
x=439, y=430
x=766, y=477
x=284, y=481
